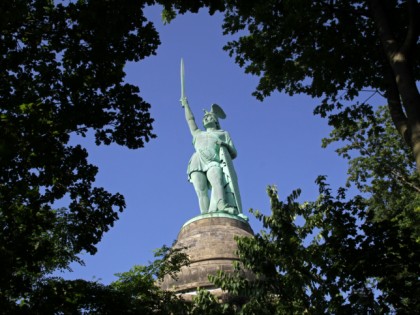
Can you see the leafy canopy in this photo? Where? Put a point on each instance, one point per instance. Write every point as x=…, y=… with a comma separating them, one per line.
x=353, y=254
x=62, y=77
x=331, y=50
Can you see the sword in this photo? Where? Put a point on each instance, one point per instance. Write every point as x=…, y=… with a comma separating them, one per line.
x=183, y=97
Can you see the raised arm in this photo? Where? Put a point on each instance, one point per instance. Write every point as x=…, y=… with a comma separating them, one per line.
x=189, y=116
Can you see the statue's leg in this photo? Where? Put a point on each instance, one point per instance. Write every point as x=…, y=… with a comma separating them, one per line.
x=215, y=177
x=199, y=181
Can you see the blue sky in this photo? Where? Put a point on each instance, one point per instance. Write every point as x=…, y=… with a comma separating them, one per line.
x=278, y=142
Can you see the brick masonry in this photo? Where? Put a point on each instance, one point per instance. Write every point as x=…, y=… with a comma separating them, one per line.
x=210, y=246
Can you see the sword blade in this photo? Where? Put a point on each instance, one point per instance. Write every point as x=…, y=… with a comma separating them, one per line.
x=182, y=79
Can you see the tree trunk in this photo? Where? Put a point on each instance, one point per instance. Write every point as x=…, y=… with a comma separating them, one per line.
x=398, y=55
x=395, y=107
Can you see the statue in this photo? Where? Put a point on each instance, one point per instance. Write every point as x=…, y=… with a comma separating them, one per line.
x=210, y=167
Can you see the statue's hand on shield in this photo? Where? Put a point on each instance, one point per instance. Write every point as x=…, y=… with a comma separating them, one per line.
x=221, y=143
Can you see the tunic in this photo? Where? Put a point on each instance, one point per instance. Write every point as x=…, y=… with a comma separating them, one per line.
x=207, y=150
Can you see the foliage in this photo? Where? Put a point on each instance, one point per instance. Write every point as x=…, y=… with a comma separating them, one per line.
x=172, y=7
x=62, y=77
x=135, y=292
x=141, y=285
x=353, y=255
x=384, y=171
x=206, y=303
x=332, y=50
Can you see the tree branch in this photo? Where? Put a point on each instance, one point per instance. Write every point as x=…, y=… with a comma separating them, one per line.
x=402, y=178
x=382, y=24
x=395, y=106
x=413, y=27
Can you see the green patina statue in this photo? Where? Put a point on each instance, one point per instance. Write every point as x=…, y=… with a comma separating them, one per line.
x=210, y=167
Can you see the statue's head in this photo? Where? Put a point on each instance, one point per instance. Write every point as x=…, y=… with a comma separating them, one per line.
x=212, y=117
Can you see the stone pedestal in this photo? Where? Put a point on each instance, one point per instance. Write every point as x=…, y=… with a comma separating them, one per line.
x=210, y=245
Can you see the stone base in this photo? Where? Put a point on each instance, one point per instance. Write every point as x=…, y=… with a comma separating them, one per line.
x=210, y=245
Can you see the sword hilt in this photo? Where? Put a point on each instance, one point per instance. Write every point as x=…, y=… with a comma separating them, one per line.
x=183, y=101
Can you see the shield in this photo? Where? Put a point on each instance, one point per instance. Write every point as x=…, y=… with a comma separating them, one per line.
x=232, y=187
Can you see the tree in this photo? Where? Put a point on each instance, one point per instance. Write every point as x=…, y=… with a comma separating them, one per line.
x=62, y=77
x=334, y=50
x=331, y=50
x=355, y=255
x=135, y=292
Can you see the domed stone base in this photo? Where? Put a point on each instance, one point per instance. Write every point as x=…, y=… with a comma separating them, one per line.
x=210, y=245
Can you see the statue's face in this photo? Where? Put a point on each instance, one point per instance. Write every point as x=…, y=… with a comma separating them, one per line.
x=209, y=121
